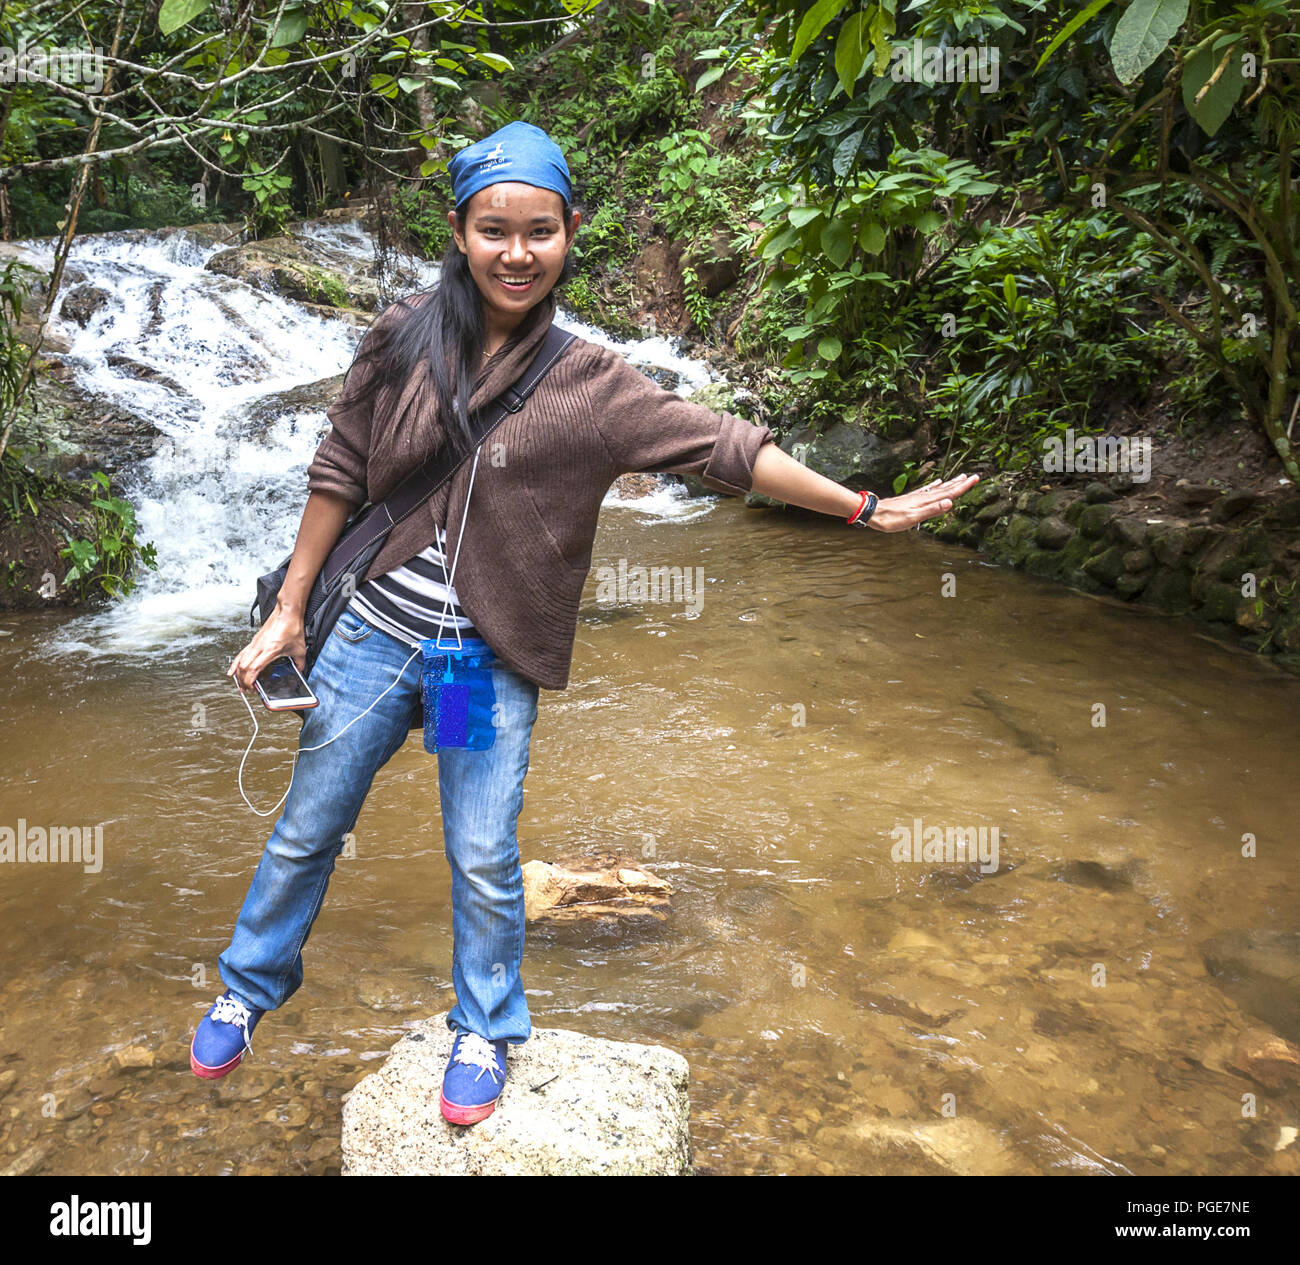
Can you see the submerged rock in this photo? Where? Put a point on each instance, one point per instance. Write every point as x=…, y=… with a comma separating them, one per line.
x=572, y=1105
x=960, y=1147
x=1264, y=1056
x=1260, y=971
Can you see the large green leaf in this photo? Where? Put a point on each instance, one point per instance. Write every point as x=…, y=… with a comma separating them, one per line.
x=1143, y=33
x=1214, y=107
x=814, y=22
x=496, y=61
x=175, y=13
x=1079, y=19
x=291, y=29
x=851, y=51
x=846, y=152
x=837, y=242
x=871, y=237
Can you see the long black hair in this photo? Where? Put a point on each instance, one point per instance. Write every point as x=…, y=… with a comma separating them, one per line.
x=446, y=331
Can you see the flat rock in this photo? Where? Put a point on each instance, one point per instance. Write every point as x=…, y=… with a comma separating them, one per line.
x=572, y=1105
x=601, y=885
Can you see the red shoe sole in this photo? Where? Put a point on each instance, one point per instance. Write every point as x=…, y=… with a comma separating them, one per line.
x=465, y=1115
x=213, y=1073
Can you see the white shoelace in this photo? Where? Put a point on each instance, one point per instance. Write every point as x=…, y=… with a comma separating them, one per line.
x=228, y=1010
x=478, y=1052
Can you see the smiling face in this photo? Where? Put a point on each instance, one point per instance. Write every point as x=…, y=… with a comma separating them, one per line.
x=514, y=232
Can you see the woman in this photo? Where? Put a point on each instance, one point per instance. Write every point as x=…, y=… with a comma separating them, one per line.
x=512, y=582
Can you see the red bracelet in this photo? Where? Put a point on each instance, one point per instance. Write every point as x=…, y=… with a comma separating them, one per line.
x=861, y=505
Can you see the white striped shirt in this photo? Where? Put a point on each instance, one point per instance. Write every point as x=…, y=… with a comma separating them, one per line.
x=412, y=602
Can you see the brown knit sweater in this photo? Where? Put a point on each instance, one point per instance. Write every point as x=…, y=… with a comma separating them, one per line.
x=532, y=519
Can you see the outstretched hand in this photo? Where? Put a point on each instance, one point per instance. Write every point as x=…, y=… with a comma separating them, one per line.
x=900, y=513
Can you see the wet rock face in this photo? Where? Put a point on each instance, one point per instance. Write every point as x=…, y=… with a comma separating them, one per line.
x=30, y=556
x=305, y=272
x=851, y=455
x=572, y=1105
x=81, y=303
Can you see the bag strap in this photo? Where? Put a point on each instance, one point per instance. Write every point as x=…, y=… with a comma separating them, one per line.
x=418, y=486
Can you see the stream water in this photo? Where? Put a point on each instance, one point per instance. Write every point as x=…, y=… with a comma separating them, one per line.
x=1072, y=1003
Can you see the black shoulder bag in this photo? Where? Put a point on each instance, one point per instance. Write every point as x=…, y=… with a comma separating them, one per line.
x=367, y=528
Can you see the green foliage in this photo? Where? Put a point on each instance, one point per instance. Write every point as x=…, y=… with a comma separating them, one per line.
x=697, y=302
x=108, y=559
x=15, y=286
x=605, y=238
x=1099, y=121
x=690, y=179
x=1042, y=331
x=423, y=216
x=22, y=489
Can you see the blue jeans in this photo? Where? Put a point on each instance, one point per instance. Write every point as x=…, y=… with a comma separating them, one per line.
x=482, y=793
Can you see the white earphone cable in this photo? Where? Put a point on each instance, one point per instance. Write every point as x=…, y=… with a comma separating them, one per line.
x=446, y=610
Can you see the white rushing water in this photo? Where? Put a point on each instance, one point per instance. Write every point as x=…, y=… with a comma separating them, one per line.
x=221, y=499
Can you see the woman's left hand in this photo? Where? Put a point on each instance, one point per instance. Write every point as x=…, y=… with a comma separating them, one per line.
x=901, y=513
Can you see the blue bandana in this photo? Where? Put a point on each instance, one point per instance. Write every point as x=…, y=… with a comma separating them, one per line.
x=519, y=151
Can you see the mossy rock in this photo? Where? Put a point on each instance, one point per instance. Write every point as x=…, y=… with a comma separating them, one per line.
x=992, y=511
x=1168, y=544
x=1106, y=566
x=1048, y=563
x=1053, y=533
x=1132, y=532
x=948, y=528
x=1221, y=602
x=1170, y=589
x=983, y=492
x=720, y=397
x=1287, y=636
x=1020, y=530
x=1094, y=519
x=1055, y=502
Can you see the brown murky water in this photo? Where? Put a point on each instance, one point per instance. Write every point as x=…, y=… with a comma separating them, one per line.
x=842, y=1011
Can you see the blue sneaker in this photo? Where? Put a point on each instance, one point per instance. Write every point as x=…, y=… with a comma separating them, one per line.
x=222, y=1036
x=474, y=1079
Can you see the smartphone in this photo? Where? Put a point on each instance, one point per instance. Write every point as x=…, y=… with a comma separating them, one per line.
x=283, y=688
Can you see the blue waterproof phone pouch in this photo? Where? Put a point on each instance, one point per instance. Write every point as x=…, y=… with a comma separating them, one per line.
x=458, y=696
